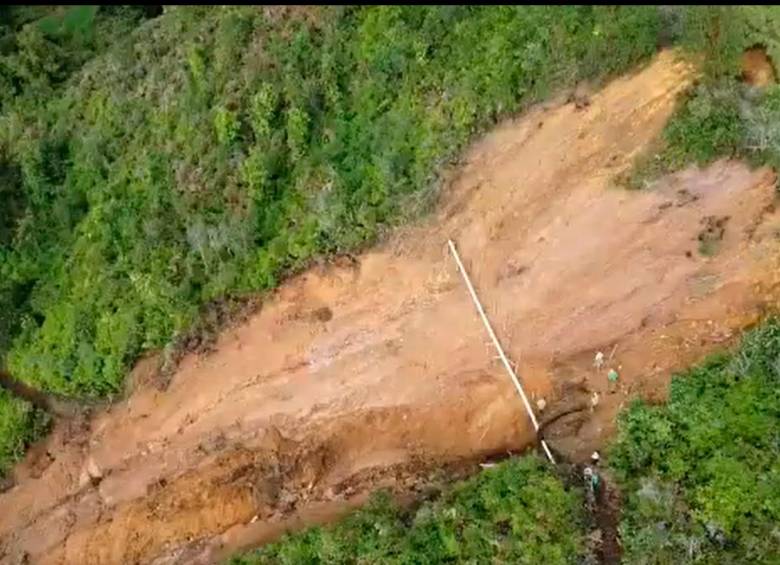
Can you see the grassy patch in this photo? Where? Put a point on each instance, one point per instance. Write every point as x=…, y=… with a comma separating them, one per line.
x=517, y=512
x=20, y=425
x=701, y=474
x=714, y=120
x=720, y=116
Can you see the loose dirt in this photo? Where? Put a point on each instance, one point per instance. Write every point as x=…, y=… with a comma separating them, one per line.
x=757, y=67
x=373, y=373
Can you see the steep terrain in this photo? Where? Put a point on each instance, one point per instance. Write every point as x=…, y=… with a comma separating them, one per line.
x=359, y=373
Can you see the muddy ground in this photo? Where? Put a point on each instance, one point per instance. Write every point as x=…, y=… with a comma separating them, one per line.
x=375, y=372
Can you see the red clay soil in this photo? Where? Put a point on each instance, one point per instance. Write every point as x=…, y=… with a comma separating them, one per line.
x=757, y=67
x=366, y=374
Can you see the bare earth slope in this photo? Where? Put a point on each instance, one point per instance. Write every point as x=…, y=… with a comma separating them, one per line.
x=351, y=373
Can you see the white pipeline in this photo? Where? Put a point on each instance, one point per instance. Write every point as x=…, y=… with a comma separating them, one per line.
x=501, y=354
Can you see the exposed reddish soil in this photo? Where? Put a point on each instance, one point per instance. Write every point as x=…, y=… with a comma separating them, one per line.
x=757, y=67
x=371, y=373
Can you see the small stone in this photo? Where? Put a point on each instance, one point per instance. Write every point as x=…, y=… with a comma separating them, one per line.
x=598, y=360
x=84, y=478
x=594, y=400
x=93, y=470
x=541, y=404
x=595, y=536
x=287, y=500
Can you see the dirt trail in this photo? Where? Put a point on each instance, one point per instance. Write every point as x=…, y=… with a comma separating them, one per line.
x=357, y=375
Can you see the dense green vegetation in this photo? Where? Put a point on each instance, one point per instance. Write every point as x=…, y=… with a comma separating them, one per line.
x=19, y=425
x=721, y=116
x=701, y=474
x=41, y=48
x=516, y=512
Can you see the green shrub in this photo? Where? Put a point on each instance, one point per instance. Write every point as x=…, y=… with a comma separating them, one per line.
x=20, y=425
x=708, y=125
x=517, y=512
x=720, y=116
x=226, y=125
x=702, y=473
